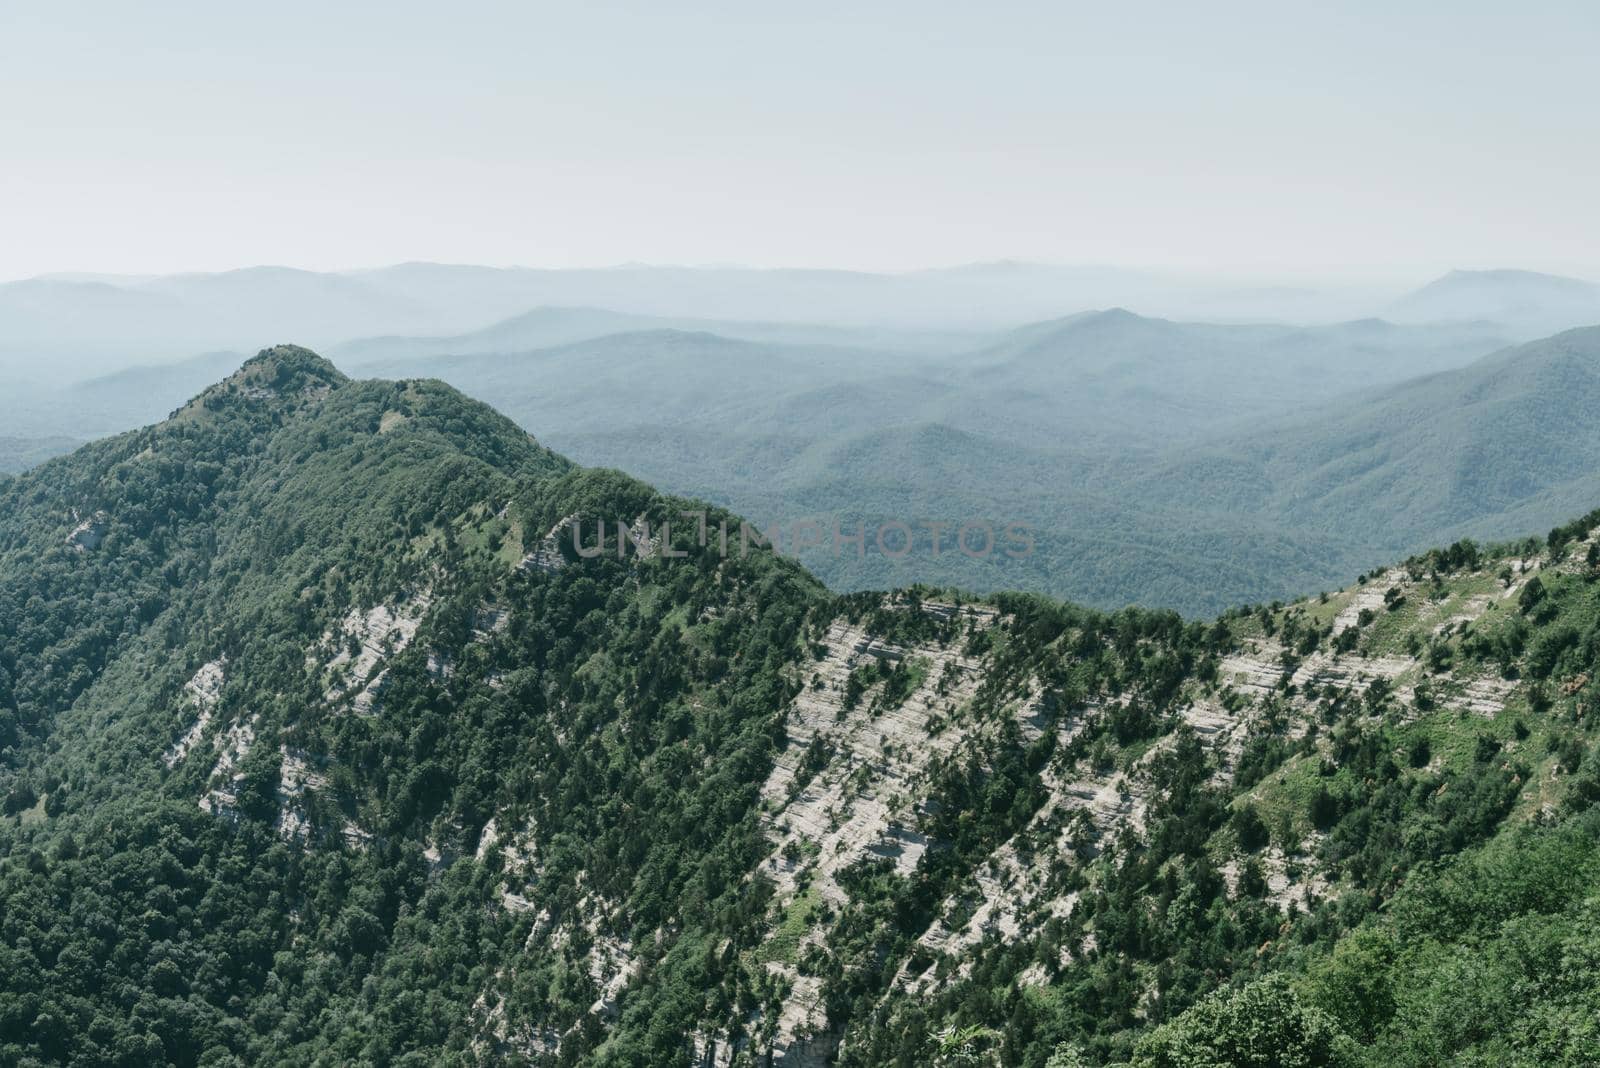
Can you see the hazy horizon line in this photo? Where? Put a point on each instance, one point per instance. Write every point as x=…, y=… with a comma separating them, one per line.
x=1304, y=273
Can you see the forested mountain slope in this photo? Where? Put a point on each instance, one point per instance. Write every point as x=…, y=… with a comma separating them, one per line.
x=323, y=743
x=1504, y=444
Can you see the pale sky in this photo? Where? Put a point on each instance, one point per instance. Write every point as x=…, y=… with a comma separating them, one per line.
x=1398, y=138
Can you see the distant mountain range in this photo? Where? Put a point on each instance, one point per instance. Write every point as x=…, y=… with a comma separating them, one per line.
x=548, y=327
x=71, y=326
x=1163, y=462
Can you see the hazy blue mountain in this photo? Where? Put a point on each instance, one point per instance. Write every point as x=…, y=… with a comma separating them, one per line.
x=1529, y=303
x=1116, y=376
x=110, y=404
x=659, y=376
x=1502, y=445
x=55, y=331
x=973, y=297
x=1100, y=376
x=69, y=326
x=548, y=327
x=268, y=298
x=1483, y=449
x=37, y=308
x=19, y=454
x=75, y=325
x=981, y=296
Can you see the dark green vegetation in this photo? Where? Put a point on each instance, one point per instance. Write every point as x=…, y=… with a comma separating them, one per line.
x=238, y=533
x=314, y=749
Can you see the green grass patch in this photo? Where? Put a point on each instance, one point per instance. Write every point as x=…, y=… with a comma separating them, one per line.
x=784, y=944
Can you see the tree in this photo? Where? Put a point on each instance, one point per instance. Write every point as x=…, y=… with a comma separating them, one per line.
x=1324, y=808
x=1263, y=1025
x=1067, y=1055
x=1250, y=828
x=1531, y=595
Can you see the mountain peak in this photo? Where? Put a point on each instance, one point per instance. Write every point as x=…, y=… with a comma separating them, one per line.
x=277, y=374
x=1111, y=318
x=1087, y=324
x=1532, y=304
x=284, y=370
x=1507, y=275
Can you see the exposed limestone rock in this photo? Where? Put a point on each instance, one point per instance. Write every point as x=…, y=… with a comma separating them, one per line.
x=1522, y=572
x=1321, y=670
x=852, y=783
x=364, y=641
x=609, y=962
x=497, y=1038
x=803, y=1039
x=637, y=540
x=294, y=779
x=355, y=836
x=203, y=691
x=713, y=1050
x=486, y=840
x=1368, y=597
x=1574, y=561
x=1260, y=669
x=860, y=803
x=546, y=554
x=1256, y=670
x=1221, y=731
x=1469, y=611
x=488, y=621
x=612, y=966
x=1013, y=896
x=518, y=861
x=1483, y=695
x=88, y=535
x=1289, y=885
x=232, y=747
